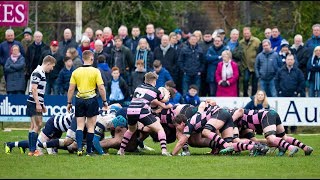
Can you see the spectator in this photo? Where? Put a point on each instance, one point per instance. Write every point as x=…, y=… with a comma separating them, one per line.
x=98, y=50
x=205, y=44
x=266, y=68
x=267, y=33
x=117, y=88
x=64, y=76
x=222, y=34
x=108, y=41
x=27, y=39
x=98, y=35
x=175, y=97
x=67, y=42
x=275, y=39
x=85, y=45
x=250, y=46
x=144, y=52
x=133, y=42
x=258, y=101
x=313, y=69
x=52, y=76
x=123, y=33
x=34, y=52
x=290, y=82
x=152, y=39
x=192, y=96
x=104, y=69
x=137, y=76
x=198, y=34
x=191, y=63
x=213, y=57
x=159, y=32
x=89, y=33
x=162, y=72
x=167, y=56
x=14, y=69
x=301, y=53
x=314, y=40
x=227, y=75
x=73, y=53
x=5, y=47
x=122, y=58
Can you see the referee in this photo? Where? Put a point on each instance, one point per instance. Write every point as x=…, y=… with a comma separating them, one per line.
x=86, y=79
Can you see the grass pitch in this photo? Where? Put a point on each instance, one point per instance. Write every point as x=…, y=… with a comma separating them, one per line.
x=151, y=165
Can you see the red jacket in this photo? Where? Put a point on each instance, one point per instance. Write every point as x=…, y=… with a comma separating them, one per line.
x=229, y=91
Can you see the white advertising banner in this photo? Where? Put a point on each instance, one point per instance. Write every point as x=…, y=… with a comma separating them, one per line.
x=293, y=111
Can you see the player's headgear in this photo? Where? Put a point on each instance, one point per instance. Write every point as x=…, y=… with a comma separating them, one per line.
x=114, y=109
x=119, y=121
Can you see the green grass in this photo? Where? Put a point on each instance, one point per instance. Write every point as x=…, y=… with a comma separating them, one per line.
x=152, y=165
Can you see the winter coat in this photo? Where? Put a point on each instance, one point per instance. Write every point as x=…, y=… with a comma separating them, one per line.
x=5, y=50
x=228, y=91
x=169, y=61
x=276, y=42
x=191, y=60
x=163, y=77
x=31, y=62
x=302, y=56
x=53, y=75
x=250, y=52
x=63, y=80
x=213, y=59
x=267, y=65
x=65, y=45
x=15, y=74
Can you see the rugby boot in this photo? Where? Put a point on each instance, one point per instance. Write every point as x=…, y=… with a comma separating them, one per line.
x=308, y=151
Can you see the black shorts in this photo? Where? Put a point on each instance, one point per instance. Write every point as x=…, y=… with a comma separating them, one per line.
x=32, y=110
x=86, y=107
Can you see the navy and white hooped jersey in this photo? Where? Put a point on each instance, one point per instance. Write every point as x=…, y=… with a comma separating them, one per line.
x=38, y=77
x=63, y=122
x=104, y=123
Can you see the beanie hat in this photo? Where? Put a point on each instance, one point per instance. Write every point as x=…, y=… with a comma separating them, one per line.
x=85, y=38
x=27, y=30
x=284, y=43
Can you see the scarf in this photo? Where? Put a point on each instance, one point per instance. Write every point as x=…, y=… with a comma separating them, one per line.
x=15, y=57
x=142, y=54
x=164, y=49
x=107, y=40
x=315, y=61
x=227, y=71
x=85, y=48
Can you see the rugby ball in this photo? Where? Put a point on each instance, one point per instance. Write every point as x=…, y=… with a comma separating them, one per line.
x=165, y=93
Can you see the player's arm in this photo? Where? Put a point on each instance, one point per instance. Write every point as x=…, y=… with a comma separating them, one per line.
x=71, y=89
x=183, y=138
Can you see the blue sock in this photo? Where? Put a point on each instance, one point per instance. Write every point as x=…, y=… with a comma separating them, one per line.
x=24, y=144
x=30, y=137
x=53, y=143
x=79, y=138
x=35, y=139
x=96, y=144
x=10, y=144
x=89, y=142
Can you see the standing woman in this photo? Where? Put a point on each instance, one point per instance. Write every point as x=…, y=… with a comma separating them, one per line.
x=227, y=75
x=313, y=69
x=144, y=53
x=14, y=69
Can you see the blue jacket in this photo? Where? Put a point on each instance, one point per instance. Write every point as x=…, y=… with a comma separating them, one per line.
x=191, y=60
x=177, y=99
x=213, y=59
x=63, y=80
x=163, y=77
x=311, y=43
x=267, y=65
x=250, y=105
x=289, y=84
x=276, y=42
x=15, y=74
x=193, y=100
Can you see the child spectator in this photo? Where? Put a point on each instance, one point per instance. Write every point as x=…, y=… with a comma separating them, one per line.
x=137, y=75
x=117, y=88
x=104, y=69
x=192, y=96
x=163, y=74
x=65, y=75
x=175, y=96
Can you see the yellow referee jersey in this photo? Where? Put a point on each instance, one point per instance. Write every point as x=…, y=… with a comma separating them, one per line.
x=86, y=79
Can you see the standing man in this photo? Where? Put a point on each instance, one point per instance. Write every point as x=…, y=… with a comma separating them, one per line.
x=35, y=101
x=86, y=79
x=250, y=45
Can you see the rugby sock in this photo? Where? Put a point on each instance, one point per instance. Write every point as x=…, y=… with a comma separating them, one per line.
x=247, y=141
x=295, y=142
x=241, y=146
x=11, y=144
x=52, y=143
x=126, y=138
x=35, y=140
x=24, y=144
x=280, y=142
x=218, y=139
x=163, y=141
x=30, y=140
x=79, y=138
x=96, y=144
x=89, y=142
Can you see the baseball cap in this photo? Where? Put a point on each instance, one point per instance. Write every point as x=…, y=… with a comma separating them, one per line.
x=54, y=43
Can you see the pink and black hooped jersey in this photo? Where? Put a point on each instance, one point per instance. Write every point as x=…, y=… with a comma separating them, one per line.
x=252, y=119
x=196, y=123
